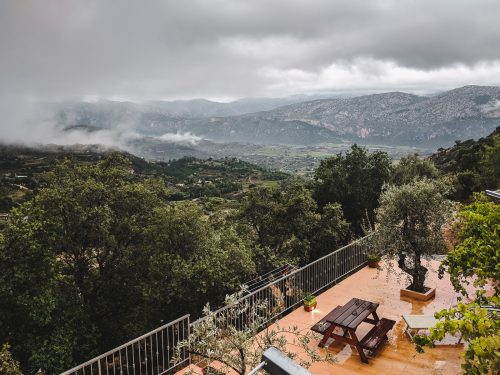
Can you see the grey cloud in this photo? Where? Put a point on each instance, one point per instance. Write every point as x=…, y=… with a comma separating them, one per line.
x=179, y=49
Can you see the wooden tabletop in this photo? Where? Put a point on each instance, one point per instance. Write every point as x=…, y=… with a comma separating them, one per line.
x=352, y=314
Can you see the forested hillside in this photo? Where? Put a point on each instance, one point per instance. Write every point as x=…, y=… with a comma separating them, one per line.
x=474, y=164
x=22, y=172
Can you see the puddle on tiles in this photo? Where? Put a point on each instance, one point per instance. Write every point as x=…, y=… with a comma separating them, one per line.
x=439, y=367
x=343, y=355
x=318, y=312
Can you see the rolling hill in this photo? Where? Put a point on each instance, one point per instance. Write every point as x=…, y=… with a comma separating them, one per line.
x=393, y=118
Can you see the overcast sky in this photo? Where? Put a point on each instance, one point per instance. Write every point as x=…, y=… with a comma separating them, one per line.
x=224, y=49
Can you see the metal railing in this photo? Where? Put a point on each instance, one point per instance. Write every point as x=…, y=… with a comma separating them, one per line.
x=148, y=354
x=261, y=280
x=152, y=353
x=286, y=292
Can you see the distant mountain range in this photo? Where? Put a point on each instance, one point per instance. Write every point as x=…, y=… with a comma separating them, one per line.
x=393, y=118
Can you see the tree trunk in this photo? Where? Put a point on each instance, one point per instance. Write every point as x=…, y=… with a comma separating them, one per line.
x=418, y=275
x=417, y=272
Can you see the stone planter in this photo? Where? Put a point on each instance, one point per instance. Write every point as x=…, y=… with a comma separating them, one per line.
x=431, y=293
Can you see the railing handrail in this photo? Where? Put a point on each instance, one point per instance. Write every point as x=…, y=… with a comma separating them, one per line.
x=338, y=250
x=295, y=271
x=264, y=276
x=131, y=342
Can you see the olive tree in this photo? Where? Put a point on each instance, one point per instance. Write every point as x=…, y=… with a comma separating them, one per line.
x=237, y=336
x=410, y=220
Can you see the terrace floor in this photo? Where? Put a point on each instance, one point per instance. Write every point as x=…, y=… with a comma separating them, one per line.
x=398, y=356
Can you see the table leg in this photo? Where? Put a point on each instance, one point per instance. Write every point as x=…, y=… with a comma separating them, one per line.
x=326, y=336
x=355, y=341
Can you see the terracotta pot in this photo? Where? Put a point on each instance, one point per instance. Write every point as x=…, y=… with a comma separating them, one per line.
x=373, y=264
x=431, y=293
x=310, y=307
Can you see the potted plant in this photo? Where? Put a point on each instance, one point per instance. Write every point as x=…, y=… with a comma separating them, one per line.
x=410, y=221
x=373, y=260
x=310, y=302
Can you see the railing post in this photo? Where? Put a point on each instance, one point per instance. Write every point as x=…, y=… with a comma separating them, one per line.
x=189, y=335
x=336, y=266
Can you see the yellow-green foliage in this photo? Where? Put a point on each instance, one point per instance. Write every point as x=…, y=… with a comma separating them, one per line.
x=477, y=253
x=479, y=327
x=8, y=365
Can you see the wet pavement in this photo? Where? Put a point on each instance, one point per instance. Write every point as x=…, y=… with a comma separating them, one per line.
x=398, y=356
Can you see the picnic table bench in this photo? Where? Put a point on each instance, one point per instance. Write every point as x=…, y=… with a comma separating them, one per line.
x=347, y=318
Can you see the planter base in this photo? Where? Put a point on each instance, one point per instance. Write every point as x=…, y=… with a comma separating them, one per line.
x=310, y=307
x=431, y=293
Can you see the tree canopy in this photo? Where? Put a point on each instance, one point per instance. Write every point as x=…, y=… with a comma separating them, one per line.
x=411, y=167
x=474, y=165
x=98, y=257
x=410, y=220
x=476, y=255
x=287, y=227
x=354, y=180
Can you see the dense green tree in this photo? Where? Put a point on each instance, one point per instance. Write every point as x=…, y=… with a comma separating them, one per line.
x=410, y=220
x=332, y=231
x=476, y=255
x=355, y=181
x=286, y=225
x=281, y=221
x=474, y=165
x=412, y=166
x=99, y=256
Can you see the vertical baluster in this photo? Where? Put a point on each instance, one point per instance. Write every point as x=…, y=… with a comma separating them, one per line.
x=133, y=359
x=126, y=360
x=178, y=334
x=139, y=363
x=158, y=367
x=120, y=360
x=163, y=349
x=145, y=359
x=183, y=337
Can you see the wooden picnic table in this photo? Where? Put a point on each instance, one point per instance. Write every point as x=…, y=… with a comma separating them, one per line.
x=348, y=318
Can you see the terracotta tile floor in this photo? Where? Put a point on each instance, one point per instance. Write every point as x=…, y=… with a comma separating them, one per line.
x=398, y=356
